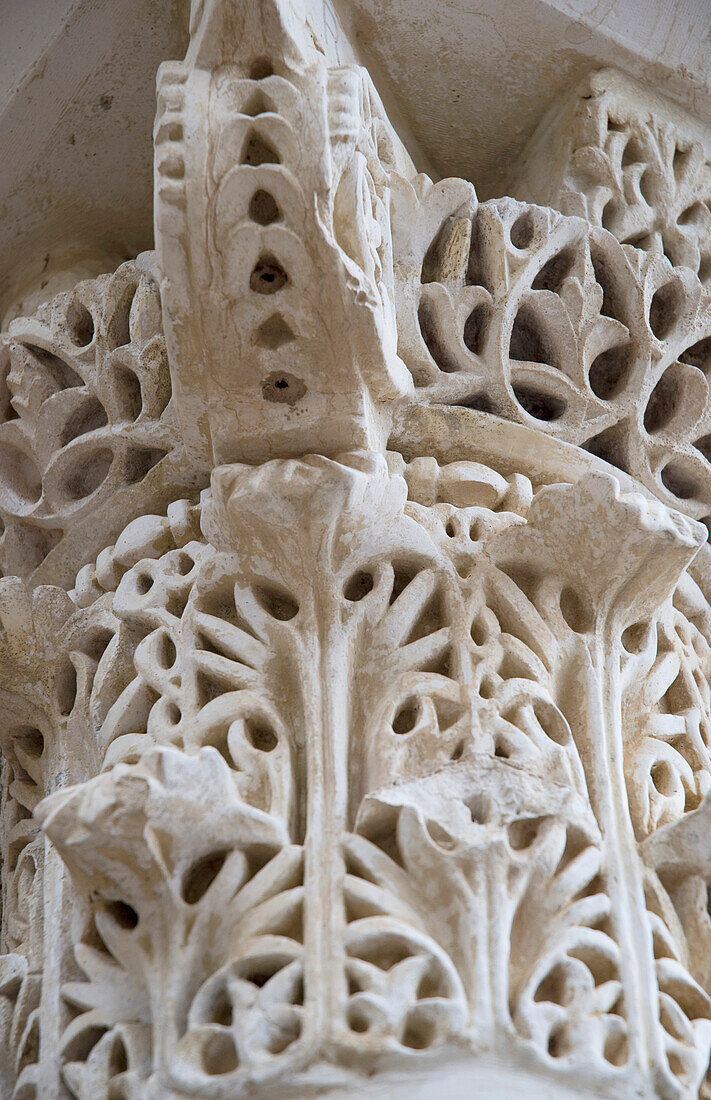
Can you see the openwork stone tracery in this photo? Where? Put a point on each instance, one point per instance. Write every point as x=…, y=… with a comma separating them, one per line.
x=355, y=642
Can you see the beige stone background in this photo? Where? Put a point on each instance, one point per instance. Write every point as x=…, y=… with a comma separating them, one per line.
x=466, y=81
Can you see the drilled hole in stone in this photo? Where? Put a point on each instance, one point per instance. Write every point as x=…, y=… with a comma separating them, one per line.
x=632, y=153
x=475, y=328
x=140, y=461
x=610, y=213
x=173, y=168
x=608, y=372
x=7, y=409
x=277, y=603
x=358, y=586
x=283, y=388
x=521, y=233
x=167, y=653
x=403, y=575
x=440, y=836
x=554, y=271
x=88, y=474
x=406, y=717
x=274, y=332
x=55, y=371
x=118, y=1062
x=611, y=446
x=263, y=208
x=680, y=161
x=261, y=736
x=419, y=1033
x=432, y=984
x=221, y=1011
x=89, y=416
x=634, y=637
x=698, y=355
x=663, y=403
x=256, y=105
x=279, y=1042
x=481, y=402
x=523, y=833
x=442, y=261
x=479, y=267
x=479, y=809
x=80, y=324
x=542, y=406
x=144, y=583
x=576, y=611
x=259, y=971
x=529, y=342
x=173, y=713
x=436, y=345
x=128, y=392
x=125, y=915
x=19, y=475
x=553, y=987
x=662, y=777
x=648, y=188
x=551, y=722
x=119, y=331
x=219, y=1054
x=258, y=151
x=30, y=740
x=486, y=689
x=703, y=445
x=669, y=250
x=183, y=563
x=268, y=276
x=512, y=667
x=261, y=68
x=357, y=1020
x=678, y=481
x=664, y=310
x=612, y=297
x=201, y=875
x=297, y=997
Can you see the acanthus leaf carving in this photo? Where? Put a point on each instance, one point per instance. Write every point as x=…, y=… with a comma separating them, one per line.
x=360, y=764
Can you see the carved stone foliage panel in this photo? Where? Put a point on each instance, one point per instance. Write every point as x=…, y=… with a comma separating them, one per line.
x=328, y=766
x=515, y=310
x=85, y=407
x=462, y=646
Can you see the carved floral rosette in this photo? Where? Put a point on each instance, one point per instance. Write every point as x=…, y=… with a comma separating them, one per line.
x=355, y=643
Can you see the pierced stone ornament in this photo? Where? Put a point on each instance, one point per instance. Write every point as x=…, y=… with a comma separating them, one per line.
x=358, y=741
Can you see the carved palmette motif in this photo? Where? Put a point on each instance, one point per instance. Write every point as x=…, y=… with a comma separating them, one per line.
x=359, y=763
x=620, y=162
x=86, y=416
x=411, y=740
x=513, y=309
